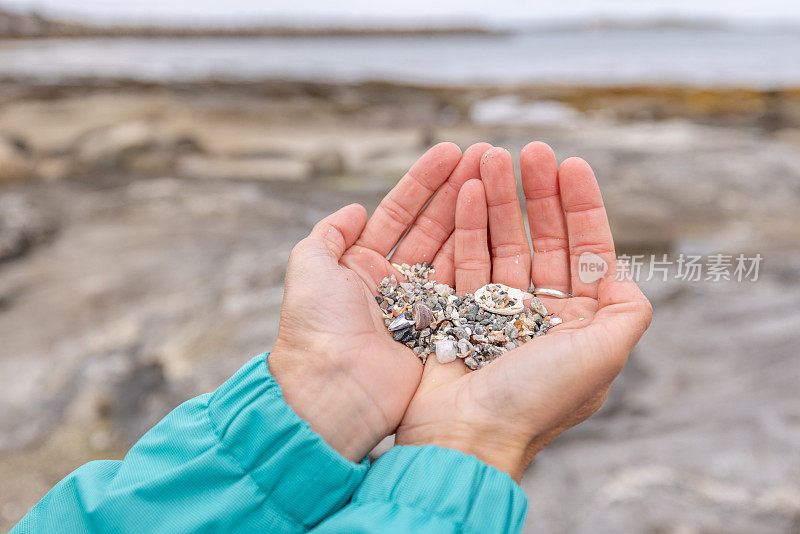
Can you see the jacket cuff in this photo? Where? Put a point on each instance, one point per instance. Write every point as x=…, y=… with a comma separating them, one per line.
x=300, y=474
x=447, y=484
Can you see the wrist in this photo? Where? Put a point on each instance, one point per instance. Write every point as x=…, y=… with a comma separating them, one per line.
x=502, y=454
x=319, y=391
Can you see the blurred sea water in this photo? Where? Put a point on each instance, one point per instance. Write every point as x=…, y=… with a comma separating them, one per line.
x=764, y=58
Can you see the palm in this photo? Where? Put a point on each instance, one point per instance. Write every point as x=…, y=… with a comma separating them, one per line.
x=529, y=395
x=507, y=388
x=348, y=321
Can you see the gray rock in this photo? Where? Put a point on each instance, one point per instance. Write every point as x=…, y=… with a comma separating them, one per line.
x=132, y=146
x=251, y=168
x=511, y=331
x=15, y=163
x=22, y=226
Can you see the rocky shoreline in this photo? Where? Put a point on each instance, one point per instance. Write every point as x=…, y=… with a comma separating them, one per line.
x=128, y=142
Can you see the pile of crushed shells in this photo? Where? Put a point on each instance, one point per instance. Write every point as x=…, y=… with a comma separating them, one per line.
x=430, y=319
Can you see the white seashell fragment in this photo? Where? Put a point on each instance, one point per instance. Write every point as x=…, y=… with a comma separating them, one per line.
x=399, y=323
x=443, y=290
x=555, y=321
x=445, y=350
x=483, y=298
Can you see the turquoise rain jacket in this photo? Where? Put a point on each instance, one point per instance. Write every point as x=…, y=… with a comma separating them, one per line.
x=240, y=460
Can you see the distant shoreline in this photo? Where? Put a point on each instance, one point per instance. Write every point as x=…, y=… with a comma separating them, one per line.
x=37, y=26
x=156, y=32
x=14, y=25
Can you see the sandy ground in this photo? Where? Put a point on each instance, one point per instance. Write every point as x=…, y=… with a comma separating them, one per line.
x=143, y=258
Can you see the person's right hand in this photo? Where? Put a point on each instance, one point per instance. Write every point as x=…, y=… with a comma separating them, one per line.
x=337, y=365
x=506, y=412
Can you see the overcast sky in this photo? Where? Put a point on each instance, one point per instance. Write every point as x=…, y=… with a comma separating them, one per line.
x=496, y=11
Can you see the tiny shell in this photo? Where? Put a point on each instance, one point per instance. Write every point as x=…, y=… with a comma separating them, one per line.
x=422, y=315
x=515, y=296
x=400, y=323
x=464, y=348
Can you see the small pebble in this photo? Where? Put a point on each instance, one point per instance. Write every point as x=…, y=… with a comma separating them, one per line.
x=538, y=307
x=445, y=350
x=400, y=334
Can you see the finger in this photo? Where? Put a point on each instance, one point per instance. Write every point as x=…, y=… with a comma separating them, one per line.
x=399, y=208
x=511, y=256
x=436, y=221
x=587, y=225
x=473, y=267
x=340, y=230
x=444, y=263
x=548, y=226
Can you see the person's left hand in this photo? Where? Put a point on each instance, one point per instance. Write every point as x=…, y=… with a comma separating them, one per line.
x=338, y=368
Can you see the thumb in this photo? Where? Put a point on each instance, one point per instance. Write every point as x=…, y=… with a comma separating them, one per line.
x=337, y=232
x=315, y=259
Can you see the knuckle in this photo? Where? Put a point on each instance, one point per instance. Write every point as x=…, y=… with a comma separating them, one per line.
x=396, y=212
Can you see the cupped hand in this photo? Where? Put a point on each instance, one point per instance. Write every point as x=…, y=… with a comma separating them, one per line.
x=338, y=368
x=506, y=412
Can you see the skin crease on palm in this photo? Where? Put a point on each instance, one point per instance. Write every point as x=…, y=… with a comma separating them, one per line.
x=342, y=372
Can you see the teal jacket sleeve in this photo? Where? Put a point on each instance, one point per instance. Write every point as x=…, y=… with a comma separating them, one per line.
x=236, y=460
x=429, y=490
